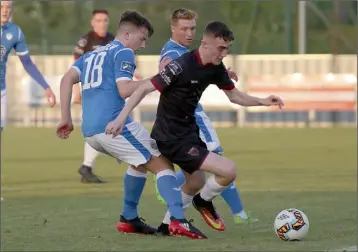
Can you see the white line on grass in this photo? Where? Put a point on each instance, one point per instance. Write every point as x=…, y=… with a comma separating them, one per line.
x=346, y=249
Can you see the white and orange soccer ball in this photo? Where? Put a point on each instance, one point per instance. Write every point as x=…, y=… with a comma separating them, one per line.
x=291, y=225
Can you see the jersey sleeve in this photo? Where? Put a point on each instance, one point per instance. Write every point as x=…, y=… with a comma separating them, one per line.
x=223, y=80
x=124, y=62
x=80, y=47
x=20, y=46
x=173, y=54
x=78, y=65
x=168, y=76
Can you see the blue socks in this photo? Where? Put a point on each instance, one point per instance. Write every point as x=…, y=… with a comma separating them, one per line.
x=180, y=177
x=134, y=182
x=230, y=194
x=169, y=188
x=232, y=198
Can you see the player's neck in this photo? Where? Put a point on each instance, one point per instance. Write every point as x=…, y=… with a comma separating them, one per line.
x=176, y=41
x=201, y=55
x=121, y=40
x=100, y=34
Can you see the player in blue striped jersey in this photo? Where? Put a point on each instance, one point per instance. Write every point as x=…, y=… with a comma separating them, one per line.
x=13, y=38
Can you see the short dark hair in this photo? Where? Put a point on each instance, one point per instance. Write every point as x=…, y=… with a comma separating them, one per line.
x=137, y=19
x=100, y=11
x=219, y=30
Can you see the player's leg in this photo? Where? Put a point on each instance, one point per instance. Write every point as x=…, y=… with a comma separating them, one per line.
x=86, y=169
x=134, y=146
x=189, y=188
x=169, y=189
x=181, y=180
x=134, y=181
x=189, y=154
x=224, y=173
x=231, y=194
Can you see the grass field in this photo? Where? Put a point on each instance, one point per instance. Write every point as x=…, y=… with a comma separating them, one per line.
x=46, y=208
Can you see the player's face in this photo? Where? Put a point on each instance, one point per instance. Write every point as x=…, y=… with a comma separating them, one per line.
x=100, y=23
x=184, y=31
x=217, y=49
x=137, y=38
x=6, y=11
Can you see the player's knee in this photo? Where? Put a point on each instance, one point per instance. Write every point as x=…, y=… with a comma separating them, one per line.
x=158, y=164
x=139, y=168
x=229, y=172
x=195, y=181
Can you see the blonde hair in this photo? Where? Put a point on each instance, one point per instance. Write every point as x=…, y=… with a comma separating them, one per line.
x=183, y=14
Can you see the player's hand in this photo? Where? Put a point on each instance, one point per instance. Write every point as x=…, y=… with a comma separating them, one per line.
x=273, y=100
x=165, y=61
x=64, y=129
x=115, y=127
x=232, y=74
x=51, y=98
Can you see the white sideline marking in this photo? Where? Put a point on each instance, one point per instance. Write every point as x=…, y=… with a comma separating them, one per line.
x=346, y=249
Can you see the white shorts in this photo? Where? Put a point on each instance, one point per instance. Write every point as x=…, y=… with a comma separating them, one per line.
x=207, y=132
x=134, y=146
x=3, y=108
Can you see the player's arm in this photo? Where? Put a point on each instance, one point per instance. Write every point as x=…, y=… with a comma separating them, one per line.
x=159, y=82
x=240, y=98
x=124, y=71
x=236, y=96
x=70, y=78
x=78, y=52
x=167, y=57
x=29, y=66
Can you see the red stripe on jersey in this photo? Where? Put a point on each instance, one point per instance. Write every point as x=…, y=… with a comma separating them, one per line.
x=197, y=57
x=99, y=36
x=156, y=84
x=230, y=87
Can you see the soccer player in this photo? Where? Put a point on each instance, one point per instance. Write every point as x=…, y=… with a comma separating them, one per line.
x=106, y=79
x=183, y=28
x=98, y=36
x=175, y=130
x=12, y=37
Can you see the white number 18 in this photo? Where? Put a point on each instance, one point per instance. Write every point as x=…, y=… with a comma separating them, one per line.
x=97, y=61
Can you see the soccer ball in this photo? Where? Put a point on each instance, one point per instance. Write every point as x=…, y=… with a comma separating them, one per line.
x=291, y=225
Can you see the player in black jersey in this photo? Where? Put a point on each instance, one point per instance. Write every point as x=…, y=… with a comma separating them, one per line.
x=181, y=84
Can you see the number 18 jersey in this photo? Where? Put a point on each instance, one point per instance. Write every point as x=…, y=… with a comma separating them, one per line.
x=99, y=71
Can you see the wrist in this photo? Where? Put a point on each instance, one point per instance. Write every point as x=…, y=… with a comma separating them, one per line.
x=121, y=117
x=66, y=116
x=260, y=101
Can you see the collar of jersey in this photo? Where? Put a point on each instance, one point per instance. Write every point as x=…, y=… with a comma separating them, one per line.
x=5, y=25
x=116, y=41
x=186, y=47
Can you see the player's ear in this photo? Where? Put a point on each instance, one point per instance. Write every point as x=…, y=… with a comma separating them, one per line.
x=172, y=28
x=126, y=33
x=203, y=43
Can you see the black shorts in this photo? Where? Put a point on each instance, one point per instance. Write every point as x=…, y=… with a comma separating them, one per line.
x=189, y=153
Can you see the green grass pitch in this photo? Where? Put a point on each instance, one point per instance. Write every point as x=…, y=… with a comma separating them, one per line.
x=46, y=208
